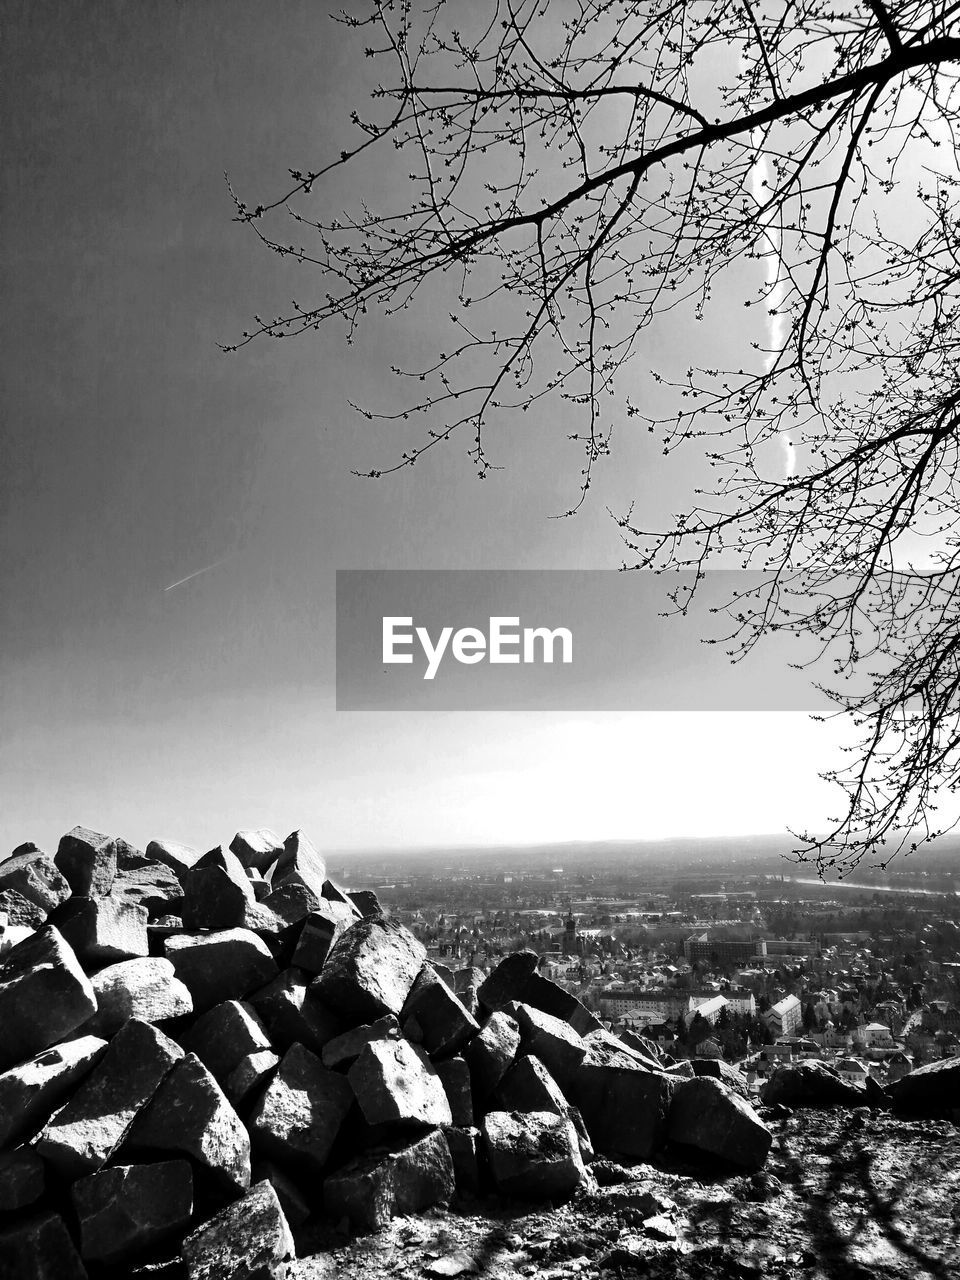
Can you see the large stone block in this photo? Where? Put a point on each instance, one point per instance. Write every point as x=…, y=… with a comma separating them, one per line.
x=83, y=1136
x=717, y=1069
x=220, y=966
x=216, y=892
x=129, y=1209
x=434, y=1016
x=88, y=860
x=301, y=1111
x=345, y=1049
x=455, y=1077
x=395, y=1083
x=251, y=1074
x=553, y=1040
x=32, y=1090
x=930, y=1090
x=22, y=1179
x=529, y=1086
x=190, y=1114
x=708, y=1116
x=152, y=885
x=374, y=1188
x=489, y=1054
x=104, y=930
x=146, y=988
x=39, y=1248
x=548, y=997
x=224, y=1035
x=300, y=863
x=292, y=1012
x=625, y=1108
x=507, y=980
x=533, y=1155
x=37, y=878
x=811, y=1084
x=257, y=849
x=44, y=995
x=178, y=857
x=320, y=930
x=249, y=1240
x=19, y=912
x=464, y=1144
x=366, y=902
x=370, y=969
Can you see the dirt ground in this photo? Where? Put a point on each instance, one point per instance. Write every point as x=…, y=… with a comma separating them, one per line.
x=844, y=1196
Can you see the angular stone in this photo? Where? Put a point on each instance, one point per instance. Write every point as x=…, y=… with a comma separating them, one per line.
x=533, y=1155
x=455, y=1077
x=811, y=1084
x=32, y=1090
x=128, y=855
x=249, y=1240
x=88, y=860
x=44, y=995
x=467, y=983
x=407, y=1179
x=178, y=857
x=39, y=1248
x=366, y=902
x=216, y=892
x=320, y=930
x=707, y=1115
x=464, y=1144
x=85, y=1134
x=37, y=878
x=344, y=1049
x=103, y=930
x=395, y=1083
x=529, y=1086
x=292, y=902
x=490, y=1053
x=261, y=887
x=300, y=863
x=717, y=1069
x=190, y=1115
x=296, y=1205
x=151, y=885
x=250, y=1074
x=220, y=966
x=301, y=1111
x=625, y=1108
x=257, y=849
x=370, y=969
x=434, y=1017
x=604, y=1047
x=225, y=1035
x=507, y=980
x=548, y=997
x=19, y=911
x=553, y=1040
x=931, y=1090
x=292, y=1012
x=22, y=1179
x=146, y=988
x=126, y=1210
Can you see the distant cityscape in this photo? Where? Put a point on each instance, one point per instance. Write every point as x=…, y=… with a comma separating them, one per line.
x=709, y=951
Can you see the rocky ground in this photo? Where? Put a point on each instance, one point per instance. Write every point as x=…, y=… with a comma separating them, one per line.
x=226, y=1067
x=843, y=1196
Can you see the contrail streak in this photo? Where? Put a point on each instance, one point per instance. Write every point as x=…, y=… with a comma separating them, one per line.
x=196, y=574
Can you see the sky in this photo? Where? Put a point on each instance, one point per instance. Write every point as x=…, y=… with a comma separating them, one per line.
x=172, y=518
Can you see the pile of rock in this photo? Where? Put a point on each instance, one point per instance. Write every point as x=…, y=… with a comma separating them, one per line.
x=199, y=1055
